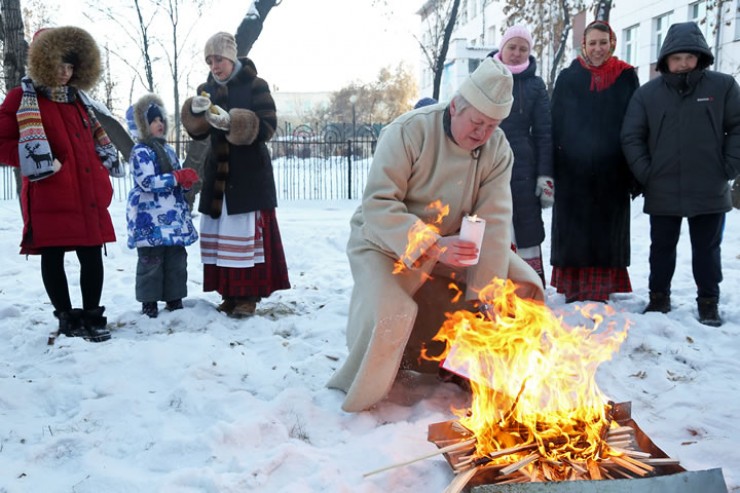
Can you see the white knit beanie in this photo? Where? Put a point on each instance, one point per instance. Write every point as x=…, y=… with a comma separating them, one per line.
x=221, y=44
x=489, y=89
x=516, y=32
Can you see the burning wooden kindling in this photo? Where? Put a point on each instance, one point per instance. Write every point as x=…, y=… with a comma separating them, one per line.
x=536, y=412
x=625, y=452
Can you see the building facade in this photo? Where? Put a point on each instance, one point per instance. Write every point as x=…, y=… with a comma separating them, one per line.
x=640, y=27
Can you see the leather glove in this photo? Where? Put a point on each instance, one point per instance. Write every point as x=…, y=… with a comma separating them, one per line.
x=218, y=118
x=545, y=190
x=186, y=177
x=199, y=104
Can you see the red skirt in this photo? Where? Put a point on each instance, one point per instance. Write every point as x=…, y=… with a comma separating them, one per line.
x=262, y=279
x=590, y=283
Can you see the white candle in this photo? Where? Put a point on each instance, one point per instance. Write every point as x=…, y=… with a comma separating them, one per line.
x=472, y=229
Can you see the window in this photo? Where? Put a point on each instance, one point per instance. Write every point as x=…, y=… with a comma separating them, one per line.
x=473, y=9
x=629, y=45
x=737, y=20
x=698, y=14
x=661, y=25
x=491, y=35
x=463, y=12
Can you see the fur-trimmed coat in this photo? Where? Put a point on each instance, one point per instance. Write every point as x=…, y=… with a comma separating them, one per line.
x=157, y=213
x=415, y=164
x=238, y=165
x=69, y=208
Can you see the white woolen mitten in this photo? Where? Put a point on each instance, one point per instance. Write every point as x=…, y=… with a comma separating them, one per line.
x=545, y=190
x=199, y=104
x=218, y=118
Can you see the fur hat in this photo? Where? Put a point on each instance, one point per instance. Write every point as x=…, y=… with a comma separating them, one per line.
x=221, y=44
x=489, y=89
x=516, y=32
x=52, y=46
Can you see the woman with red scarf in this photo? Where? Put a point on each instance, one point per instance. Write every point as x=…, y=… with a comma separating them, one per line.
x=591, y=217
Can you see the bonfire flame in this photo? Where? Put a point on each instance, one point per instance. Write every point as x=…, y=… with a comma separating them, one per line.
x=422, y=235
x=532, y=377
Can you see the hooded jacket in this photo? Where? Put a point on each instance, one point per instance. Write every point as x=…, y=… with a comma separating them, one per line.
x=681, y=133
x=69, y=208
x=157, y=213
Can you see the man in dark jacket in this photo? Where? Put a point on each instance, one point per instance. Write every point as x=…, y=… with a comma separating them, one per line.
x=681, y=136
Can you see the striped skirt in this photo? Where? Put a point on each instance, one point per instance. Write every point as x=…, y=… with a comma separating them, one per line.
x=245, y=258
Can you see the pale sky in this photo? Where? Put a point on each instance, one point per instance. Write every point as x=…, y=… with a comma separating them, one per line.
x=313, y=45
x=305, y=45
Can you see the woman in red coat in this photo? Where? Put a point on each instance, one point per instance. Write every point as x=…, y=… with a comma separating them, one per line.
x=48, y=128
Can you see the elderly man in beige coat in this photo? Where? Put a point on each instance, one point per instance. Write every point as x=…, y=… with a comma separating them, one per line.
x=455, y=154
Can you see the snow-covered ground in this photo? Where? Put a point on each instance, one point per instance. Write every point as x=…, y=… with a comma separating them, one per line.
x=194, y=401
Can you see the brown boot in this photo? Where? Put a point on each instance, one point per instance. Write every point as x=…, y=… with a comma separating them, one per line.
x=227, y=305
x=244, y=307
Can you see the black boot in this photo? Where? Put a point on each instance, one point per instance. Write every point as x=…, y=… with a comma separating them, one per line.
x=94, y=325
x=150, y=309
x=708, y=311
x=659, y=302
x=174, y=305
x=70, y=325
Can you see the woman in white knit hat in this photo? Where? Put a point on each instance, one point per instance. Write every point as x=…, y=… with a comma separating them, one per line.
x=240, y=241
x=528, y=130
x=456, y=156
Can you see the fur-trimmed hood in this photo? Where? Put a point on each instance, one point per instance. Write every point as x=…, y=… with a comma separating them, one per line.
x=49, y=48
x=140, y=108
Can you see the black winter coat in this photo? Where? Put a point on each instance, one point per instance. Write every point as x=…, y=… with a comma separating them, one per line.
x=681, y=134
x=591, y=215
x=250, y=184
x=528, y=130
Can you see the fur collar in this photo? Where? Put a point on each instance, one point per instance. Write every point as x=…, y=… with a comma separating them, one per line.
x=51, y=45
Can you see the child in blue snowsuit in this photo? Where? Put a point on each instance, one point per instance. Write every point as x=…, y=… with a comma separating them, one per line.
x=157, y=214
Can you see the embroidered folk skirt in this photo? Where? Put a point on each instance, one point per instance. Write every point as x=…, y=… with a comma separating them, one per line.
x=590, y=283
x=246, y=257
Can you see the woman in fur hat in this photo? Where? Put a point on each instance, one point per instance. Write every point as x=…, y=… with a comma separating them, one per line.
x=240, y=241
x=48, y=128
x=158, y=216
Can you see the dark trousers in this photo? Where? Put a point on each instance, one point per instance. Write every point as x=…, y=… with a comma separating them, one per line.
x=55, y=278
x=705, y=232
x=161, y=273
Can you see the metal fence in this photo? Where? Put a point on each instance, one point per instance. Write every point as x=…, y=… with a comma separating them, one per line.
x=310, y=163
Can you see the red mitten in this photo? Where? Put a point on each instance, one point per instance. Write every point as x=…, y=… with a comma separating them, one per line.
x=186, y=177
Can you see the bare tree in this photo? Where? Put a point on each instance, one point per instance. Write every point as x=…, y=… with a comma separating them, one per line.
x=251, y=26
x=552, y=24
x=391, y=94
x=172, y=10
x=15, y=52
x=246, y=35
x=602, y=9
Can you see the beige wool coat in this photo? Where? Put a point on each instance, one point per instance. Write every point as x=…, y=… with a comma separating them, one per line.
x=415, y=164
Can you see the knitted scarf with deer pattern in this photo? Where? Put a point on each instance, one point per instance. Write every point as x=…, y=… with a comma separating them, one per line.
x=34, y=152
